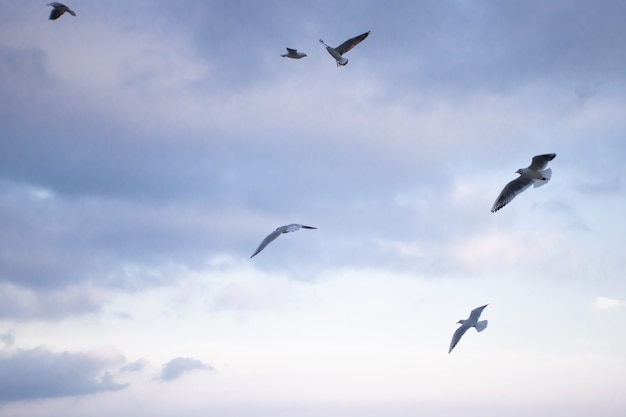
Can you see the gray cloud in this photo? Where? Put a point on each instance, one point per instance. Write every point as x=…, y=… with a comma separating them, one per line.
x=176, y=367
x=7, y=338
x=607, y=186
x=28, y=374
x=166, y=150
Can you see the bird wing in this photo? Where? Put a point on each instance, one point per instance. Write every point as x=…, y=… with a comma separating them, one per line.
x=294, y=227
x=70, y=11
x=475, y=314
x=351, y=43
x=509, y=192
x=457, y=336
x=56, y=13
x=268, y=239
x=292, y=51
x=541, y=161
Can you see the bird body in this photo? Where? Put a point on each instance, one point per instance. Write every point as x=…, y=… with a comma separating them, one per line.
x=535, y=174
x=293, y=53
x=58, y=9
x=338, y=52
x=279, y=230
x=471, y=321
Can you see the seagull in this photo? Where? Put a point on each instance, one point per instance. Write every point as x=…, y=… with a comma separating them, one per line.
x=58, y=9
x=535, y=174
x=472, y=321
x=344, y=47
x=293, y=53
x=279, y=230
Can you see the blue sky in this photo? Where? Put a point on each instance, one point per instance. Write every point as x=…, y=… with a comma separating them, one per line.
x=147, y=148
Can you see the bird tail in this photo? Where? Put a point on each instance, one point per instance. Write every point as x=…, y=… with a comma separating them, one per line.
x=481, y=325
x=546, y=174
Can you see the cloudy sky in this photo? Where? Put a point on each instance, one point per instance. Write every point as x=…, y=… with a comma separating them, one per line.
x=147, y=147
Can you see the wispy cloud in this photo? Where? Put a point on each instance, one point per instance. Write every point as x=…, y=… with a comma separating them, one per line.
x=175, y=368
x=136, y=366
x=7, y=338
x=608, y=304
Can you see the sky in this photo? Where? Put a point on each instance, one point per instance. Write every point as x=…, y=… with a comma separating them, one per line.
x=147, y=147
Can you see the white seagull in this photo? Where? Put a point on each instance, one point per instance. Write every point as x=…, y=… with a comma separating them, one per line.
x=58, y=9
x=535, y=174
x=344, y=47
x=293, y=53
x=279, y=230
x=472, y=321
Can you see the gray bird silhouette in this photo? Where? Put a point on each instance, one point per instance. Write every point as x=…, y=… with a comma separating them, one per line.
x=472, y=321
x=293, y=53
x=58, y=9
x=338, y=52
x=279, y=231
x=535, y=174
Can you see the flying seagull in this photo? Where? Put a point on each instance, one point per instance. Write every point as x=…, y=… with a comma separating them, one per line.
x=535, y=174
x=293, y=53
x=343, y=48
x=279, y=230
x=472, y=321
x=58, y=9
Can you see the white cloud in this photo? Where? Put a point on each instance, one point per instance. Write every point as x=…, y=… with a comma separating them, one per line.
x=608, y=304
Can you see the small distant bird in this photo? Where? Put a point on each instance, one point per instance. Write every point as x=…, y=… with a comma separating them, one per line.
x=279, y=230
x=344, y=47
x=58, y=9
x=472, y=321
x=293, y=53
x=535, y=174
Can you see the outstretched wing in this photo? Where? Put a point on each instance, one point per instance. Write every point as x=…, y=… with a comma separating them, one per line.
x=351, y=43
x=56, y=13
x=475, y=314
x=509, y=192
x=457, y=336
x=268, y=239
x=541, y=161
x=295, y=226
x=292, y=51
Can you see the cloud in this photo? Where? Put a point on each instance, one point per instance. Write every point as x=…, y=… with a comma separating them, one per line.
x=7, y=338
x=607, y=186
x=178, y=366
x=608, y=304
x=22, y=303
x=28, y=374
x=136, y=366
